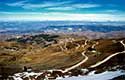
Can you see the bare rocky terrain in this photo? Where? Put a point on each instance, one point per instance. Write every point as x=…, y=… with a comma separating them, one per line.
x=59, y=55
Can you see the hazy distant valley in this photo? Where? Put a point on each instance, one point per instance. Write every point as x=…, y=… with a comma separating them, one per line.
x=89, y=29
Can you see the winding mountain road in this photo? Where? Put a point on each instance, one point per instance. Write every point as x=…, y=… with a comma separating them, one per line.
x=73, y=67
x=109, y=57
x=98, y=63
x=86, y=58
x=93, y=46
x=76, y=65
x=80, y=63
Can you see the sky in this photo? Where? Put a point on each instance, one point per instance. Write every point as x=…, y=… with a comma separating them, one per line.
x=72, y=10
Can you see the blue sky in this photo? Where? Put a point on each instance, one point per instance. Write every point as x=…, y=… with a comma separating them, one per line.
x=82, y=10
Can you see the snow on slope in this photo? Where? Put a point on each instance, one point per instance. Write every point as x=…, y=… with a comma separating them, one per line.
x=102, y=76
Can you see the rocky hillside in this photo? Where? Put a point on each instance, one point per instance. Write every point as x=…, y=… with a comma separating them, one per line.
x=66, y=54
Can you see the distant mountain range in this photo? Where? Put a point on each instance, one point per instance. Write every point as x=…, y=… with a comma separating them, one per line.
x=79, y=27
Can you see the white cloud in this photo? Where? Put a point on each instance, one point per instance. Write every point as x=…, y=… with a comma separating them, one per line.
x=64, y=5
x=60, y=8
x=74, y=6
x=19, y=3
x=62, y=16
x=112, y=11
x=27, y=5
x=85, y=5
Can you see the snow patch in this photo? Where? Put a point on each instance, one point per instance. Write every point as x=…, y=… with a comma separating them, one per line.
x=102, y=76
